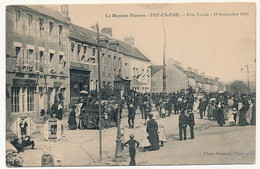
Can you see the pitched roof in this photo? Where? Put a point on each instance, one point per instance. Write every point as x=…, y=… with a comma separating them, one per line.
x=86, y=35
x=194, y=75
x=155, y=69
x=48, y=12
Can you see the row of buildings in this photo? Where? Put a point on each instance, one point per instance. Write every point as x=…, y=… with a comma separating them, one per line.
x=46, y=55
x=179, y=78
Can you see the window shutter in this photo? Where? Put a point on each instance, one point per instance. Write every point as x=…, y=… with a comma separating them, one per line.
x=36, y=61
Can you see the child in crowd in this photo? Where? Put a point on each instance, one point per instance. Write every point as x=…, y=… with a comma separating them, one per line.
x=133, y=144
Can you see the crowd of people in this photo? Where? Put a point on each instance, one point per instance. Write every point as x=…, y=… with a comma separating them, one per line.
x=224, y=108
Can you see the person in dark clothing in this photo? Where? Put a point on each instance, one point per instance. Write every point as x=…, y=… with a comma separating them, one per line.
x=182, y=124
x=191, y=123
x=23, y=125
x=42, y=112
x=72, y=119
x=27, y=142
x=132, y=150
x=147, y=110
x=17, y=145
x=220, y=114
x=253, y=119
x=54, y=109
x=202, y=107
x=152, y=130
x=131, y=115
x=242, y=113
x=60, y=112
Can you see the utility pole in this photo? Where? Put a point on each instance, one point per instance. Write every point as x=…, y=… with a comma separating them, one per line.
x=164, y=62
x=248, y=79
x=99, y=97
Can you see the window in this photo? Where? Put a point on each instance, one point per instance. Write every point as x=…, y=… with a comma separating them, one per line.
x=51, y=25
x=18, y=53
x=126, y=64
x=28, y=60
x=79, y=49
x=41, y=28
x=60, y=59
x=60, y=31
x=51, y=56
x=37, y=62
x=17, y=20
x=72, y=46
x=15, y=99
x=30, y=19
x=30, y=99
x=85, y=47
x=41, y=57
x=93, y=51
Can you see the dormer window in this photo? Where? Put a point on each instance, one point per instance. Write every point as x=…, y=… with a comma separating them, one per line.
x=41, y=28
x=93, y=51
x=72, y=46
x=51, y=26
x=79, y=48
x=85, y=47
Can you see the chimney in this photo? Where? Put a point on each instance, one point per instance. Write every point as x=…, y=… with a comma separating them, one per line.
x=107, y=31
x=130, y=39
x=217, y=78
x=202, y=74
x=189, y=69
x=65, y=11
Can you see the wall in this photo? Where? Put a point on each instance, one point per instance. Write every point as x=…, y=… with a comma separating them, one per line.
x=139, y=72
x=175, y=79
x=157, y=82
x=21, y=35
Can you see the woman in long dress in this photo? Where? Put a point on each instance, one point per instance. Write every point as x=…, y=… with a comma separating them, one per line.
x=220, y=114
x=242, y=114
x=72, y=119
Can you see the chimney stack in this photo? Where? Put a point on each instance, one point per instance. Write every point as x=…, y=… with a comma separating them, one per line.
x=130, y=39
x=202, y=74
x=107, y=30
x=65, y=11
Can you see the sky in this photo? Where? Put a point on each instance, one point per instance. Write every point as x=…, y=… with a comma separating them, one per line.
x=220, y=46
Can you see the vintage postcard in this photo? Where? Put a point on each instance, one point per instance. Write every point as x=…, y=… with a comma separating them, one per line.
x=130, y=84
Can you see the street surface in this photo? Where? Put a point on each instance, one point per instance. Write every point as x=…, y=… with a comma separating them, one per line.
x=212, y=145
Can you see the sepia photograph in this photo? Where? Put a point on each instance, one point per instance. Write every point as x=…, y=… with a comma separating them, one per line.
x=138, y=84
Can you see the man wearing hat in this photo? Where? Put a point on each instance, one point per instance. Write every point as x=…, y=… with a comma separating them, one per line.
x=182, y=124
x=191, y=123
x=131, y=115
x=23, y=125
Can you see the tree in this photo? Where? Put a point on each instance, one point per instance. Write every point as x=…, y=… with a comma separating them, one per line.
x=237, y=86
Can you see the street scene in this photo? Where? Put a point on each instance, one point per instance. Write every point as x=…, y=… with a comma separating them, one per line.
x=102, y=85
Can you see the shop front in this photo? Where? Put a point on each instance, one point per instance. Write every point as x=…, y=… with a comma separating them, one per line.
x=79, y=81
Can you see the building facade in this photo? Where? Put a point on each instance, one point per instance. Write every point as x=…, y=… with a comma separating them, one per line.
x=84, y=63
x=121, y=63
x=179, y=78
x=36, y=60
